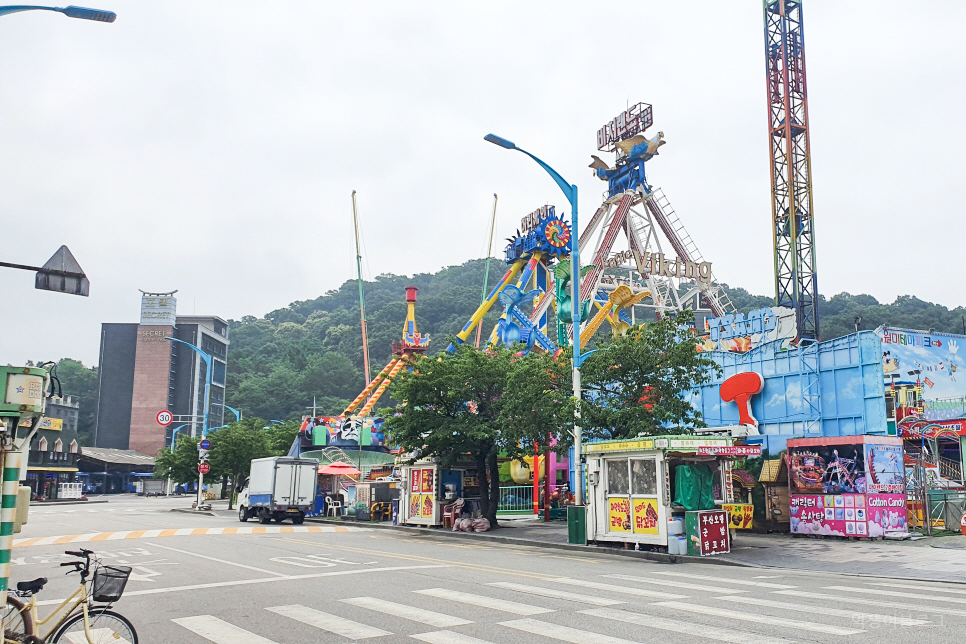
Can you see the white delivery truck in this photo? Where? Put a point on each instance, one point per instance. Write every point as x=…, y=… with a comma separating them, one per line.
x=279, y=487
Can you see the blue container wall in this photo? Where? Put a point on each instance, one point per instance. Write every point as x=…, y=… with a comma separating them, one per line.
x=832, y=389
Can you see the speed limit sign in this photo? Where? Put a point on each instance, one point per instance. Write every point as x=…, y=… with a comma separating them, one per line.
x=164, y=417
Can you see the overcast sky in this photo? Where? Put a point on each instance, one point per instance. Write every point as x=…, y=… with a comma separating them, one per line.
x=212, y=147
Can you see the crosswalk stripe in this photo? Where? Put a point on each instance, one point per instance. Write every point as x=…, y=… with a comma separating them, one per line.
x=686, y=628
x=740, y=582
x=439, y=620
x=864, y=601
x=675, y=584
x=938, y=589
x=331, y=623
x=838, y=612
x=448, y=637
x=486, y=602
x=627, y=590
x=897, y=593
x=761, y=619
x=556, y=594
x=563, y=633
x=219, y=631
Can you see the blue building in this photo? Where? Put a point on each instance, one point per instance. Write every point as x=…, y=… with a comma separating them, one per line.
x=832, y=388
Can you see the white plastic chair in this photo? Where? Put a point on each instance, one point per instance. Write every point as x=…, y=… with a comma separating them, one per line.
x=332, y=508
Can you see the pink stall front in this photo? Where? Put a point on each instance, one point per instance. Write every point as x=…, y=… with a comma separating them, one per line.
x=847, y=486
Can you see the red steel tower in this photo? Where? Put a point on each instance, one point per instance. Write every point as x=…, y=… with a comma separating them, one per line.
x=791, y=179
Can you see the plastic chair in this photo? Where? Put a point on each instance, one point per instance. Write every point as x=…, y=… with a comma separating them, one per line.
x=332, y=508
x=452, y=512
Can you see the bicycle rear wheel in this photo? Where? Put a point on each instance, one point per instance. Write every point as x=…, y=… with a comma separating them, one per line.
x=107, y=627
x=16, y=621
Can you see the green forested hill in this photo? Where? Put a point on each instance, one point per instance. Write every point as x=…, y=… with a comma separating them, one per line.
x=313, y=347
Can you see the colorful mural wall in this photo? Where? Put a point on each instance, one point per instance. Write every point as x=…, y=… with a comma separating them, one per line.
x=344, y=431
x=832, y=388
x=925, y=373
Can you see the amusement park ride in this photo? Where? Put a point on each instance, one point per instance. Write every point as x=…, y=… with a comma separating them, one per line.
x=634, y=232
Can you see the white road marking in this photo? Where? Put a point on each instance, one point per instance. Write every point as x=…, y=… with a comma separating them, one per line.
x=439, y=620
x=563, y=633
x=223, y=561
x=556, y=594
x=331, y=623
x=838, y=612
x=627, y=590
x=447, y=637
x=862, y=601
x=938, y=589
x=740, y=582
x=261, y=580
x=761, y=619
x=682, y=626
x=675, y=584
x=896, y=593
x=219, y=631
x=486, y=602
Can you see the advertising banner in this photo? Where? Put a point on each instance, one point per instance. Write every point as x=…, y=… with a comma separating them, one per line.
x=740, y=515
x=645, y=516
x=884, y=469
x=707, y=532
x=830, y=469
x=886, y=513
x=931, y=359
x=345, y=431
x=619, y=514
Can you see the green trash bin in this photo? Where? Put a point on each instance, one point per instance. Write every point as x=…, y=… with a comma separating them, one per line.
x=577, y=525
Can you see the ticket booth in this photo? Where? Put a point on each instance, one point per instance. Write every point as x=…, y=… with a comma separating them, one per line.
x=419, y=496
x=638, y=490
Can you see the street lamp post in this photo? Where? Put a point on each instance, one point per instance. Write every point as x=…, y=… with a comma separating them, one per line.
x=206, y=357
x=570, y=191
x=69, y=281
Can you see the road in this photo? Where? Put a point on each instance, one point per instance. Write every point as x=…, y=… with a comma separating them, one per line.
x=203, y=579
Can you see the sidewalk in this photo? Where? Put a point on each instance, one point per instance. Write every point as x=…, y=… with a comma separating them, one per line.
x=927, y=559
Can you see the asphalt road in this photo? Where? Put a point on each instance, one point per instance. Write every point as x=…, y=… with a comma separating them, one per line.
x=203, y=579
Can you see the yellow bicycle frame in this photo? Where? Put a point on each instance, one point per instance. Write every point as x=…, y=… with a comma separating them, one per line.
x=65, y=610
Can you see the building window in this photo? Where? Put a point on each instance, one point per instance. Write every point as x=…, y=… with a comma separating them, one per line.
x=58, y=445
x=42, y=445
x=73, y=446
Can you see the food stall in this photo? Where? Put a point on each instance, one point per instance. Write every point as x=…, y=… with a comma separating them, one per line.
x=847, y=486
x=426, y=488
x=646, y=491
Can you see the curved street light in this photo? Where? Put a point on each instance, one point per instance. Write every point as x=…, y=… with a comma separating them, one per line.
x=570, y=192
x=83, y=13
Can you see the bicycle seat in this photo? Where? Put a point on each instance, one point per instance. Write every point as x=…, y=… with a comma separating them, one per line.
x=34, y=586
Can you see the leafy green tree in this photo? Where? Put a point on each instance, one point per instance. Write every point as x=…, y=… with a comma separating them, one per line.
x=80, y=382
x=452, y=412
x=538, y=404
x=233, y=447
x=279, y=438
x=180, y=463
x=636, y=384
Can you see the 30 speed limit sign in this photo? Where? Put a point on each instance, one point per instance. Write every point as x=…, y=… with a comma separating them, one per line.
x=164, y=417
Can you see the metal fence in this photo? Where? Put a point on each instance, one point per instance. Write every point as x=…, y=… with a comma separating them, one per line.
x=519, y=498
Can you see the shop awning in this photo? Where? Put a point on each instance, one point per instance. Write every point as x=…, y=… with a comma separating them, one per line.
x=101, y=459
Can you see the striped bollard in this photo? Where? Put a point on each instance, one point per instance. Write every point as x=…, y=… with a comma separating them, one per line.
x=8, y=513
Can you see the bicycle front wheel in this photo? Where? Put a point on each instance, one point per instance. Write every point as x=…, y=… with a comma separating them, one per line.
x=16, y=621
x=107, y=627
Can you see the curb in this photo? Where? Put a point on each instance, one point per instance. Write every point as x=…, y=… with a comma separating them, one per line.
x=659, y=557
x=205, y=513
x=40, y=504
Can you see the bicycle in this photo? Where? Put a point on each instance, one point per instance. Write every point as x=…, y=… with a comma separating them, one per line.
x=77, y=620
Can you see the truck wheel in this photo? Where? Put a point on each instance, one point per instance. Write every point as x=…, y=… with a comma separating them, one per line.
x=264, y=517
x=299, y=520
x=242, y=513
x=279, y=518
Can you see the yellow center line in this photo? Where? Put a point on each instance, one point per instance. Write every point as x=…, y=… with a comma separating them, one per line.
x=448, y=562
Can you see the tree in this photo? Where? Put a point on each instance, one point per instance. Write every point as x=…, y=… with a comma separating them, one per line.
x=637, y=384
x=180, y=463
x=538, y=404
x=452, y=412
x=279, y=438
x=80, y=382
x=234, y=446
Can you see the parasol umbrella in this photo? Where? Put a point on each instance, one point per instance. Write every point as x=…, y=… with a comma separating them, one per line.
x=339, y=468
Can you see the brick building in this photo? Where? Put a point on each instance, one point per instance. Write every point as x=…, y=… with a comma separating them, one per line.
x=142, y=373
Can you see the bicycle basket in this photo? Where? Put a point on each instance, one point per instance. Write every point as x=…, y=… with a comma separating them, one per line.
x=109, y=582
